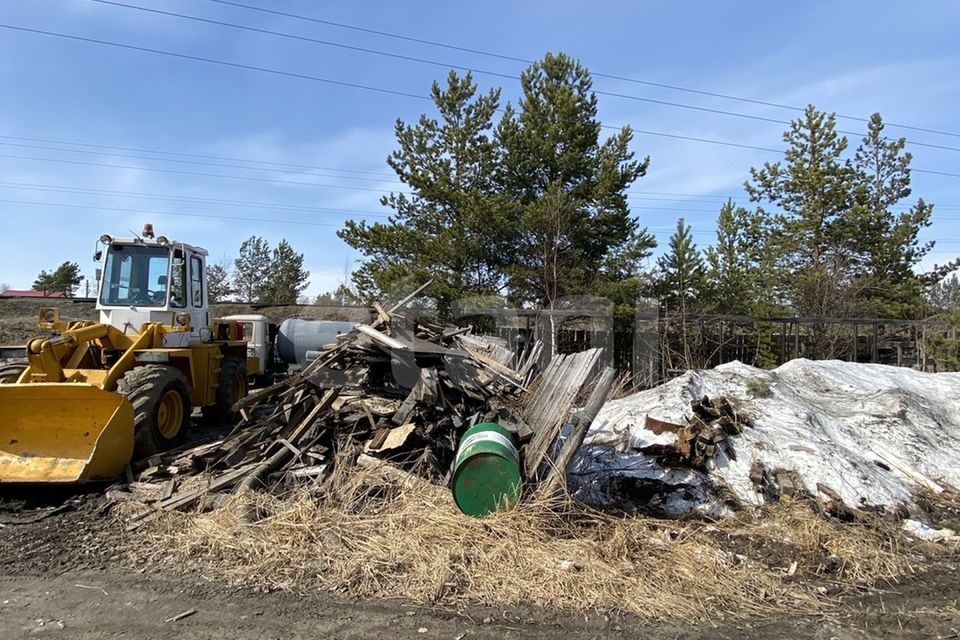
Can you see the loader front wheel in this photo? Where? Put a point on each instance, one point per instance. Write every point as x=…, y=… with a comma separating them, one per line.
x=10, y=373
x=231, y=386
x=161, y=405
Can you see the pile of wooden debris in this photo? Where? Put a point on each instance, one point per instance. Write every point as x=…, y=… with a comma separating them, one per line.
x=707, y=432
x=401, y=391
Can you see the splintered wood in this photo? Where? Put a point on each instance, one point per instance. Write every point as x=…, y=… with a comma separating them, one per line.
x=548, y=409
x=403, y=395
x=707, y=433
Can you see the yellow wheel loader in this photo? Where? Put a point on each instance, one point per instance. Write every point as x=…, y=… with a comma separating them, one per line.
x=99, y=394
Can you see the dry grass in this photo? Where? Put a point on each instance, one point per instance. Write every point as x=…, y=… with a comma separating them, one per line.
x=371, y=537
x=861, y=553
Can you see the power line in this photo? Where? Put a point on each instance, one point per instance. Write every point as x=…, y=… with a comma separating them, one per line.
x=656, y=231
x=108, y=147
x=315, y=185
x=195, y=200
x=268, y=205
x=196, y=162
x=171, y=213
x=937, y=173
x=353, y=85
x=194, y=155
x=245, y=178
x=609, y=76
x=682, y=196
x=289, y=207
x=293, y=36
x=58, y=188
x=225, y=63
x=641, y=195
x=282, y=34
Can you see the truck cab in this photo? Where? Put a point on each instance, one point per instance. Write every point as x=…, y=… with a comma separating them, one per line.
x=260, y=337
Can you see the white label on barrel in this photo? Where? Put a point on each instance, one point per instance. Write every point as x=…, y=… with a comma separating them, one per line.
x=488, y=436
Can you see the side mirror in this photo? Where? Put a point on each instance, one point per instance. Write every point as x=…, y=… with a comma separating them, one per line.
x=97, y=255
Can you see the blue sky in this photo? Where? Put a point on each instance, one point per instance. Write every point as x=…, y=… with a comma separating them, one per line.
x=62, y=98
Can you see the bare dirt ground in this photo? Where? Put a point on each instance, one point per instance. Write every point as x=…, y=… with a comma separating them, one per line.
x=64, y=573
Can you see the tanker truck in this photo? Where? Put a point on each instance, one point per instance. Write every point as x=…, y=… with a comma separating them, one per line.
x=273, y=351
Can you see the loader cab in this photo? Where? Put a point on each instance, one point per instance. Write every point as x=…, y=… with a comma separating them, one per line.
x=153, y=279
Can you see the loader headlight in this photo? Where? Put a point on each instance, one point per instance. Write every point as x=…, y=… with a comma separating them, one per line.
x=183, y=319
x=106, y=239
x=163, y=241
x=48, y=315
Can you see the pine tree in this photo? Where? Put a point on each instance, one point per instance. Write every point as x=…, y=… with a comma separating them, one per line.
x=735, y=282
x=219, y=281
x=286, y=277
x=252, y=267
x=65, y=278
x=453, y=229
x=943, y=296
x=681, y=274
x=574, y=231
x=680, y=282
x=814, y=232
x=888, y=240
x=342, y=296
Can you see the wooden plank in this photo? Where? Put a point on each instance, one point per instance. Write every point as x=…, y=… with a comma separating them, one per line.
x=296, y=452
x=427, y=387
x=506, y=373
x=168, y=488
x=403, y=413
x=891, y=459
x=383, y=317
x=185, y=498
x=381, y=338
x=403, y=478
x=550, y=406
x=322, y=405
x=378, y=439
x=406, y=301
x=308, y=472
x=557, y=477
x=327, y=378
x=393, y=439
x=291, y=382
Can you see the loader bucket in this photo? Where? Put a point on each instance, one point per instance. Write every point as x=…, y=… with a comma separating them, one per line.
x=63, y=432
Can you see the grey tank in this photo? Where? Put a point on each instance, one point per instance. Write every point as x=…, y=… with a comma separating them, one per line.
x=297, y=336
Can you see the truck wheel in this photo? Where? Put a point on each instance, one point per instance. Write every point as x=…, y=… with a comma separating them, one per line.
x=10, y=373
x=160, y=397
x=231, y=386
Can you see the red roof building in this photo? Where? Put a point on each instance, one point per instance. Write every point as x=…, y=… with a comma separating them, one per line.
x=30, y=293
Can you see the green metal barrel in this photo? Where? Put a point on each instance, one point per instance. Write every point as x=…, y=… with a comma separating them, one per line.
x=486, y=471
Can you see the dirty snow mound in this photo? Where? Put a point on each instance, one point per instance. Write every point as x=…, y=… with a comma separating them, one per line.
x=870, y=434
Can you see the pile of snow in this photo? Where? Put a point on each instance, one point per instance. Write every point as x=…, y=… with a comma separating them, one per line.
x=872, y=434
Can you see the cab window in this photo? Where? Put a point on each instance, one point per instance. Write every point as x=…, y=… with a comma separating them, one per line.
x=135, y=275
x=178, y=280
x=196, y=280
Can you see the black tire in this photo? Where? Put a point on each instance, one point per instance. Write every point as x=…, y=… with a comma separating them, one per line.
x=10, y=372
x=232, y=384
x=153, y=390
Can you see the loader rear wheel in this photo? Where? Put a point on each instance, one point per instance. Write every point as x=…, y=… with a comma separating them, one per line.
x=160, y=397
x=231, y=386
x=10, y=373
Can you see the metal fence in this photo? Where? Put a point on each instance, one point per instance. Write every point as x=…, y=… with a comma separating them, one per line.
x=649, y=347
